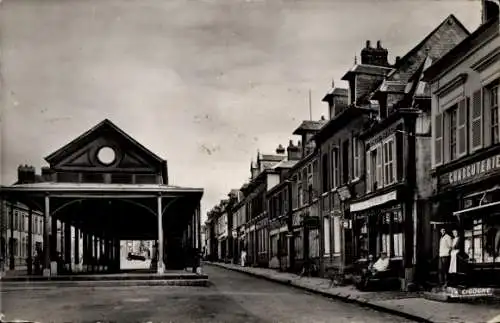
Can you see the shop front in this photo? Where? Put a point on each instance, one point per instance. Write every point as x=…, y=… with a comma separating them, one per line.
x=278, y=244
x=378, y=227
x=468, y=205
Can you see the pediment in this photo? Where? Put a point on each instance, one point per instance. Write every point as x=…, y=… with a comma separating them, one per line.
x=124, y=154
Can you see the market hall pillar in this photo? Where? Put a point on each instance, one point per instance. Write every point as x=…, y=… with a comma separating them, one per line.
x=30, y=242
x=46, y=242
x=77, y=248
x=12, y=259
x=67, y=246
x=160, y=266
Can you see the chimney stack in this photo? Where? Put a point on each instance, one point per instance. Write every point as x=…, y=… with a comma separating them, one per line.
x=374, y=56
x=25, y=174
x=280, y=150
x=294, y=152
x=47, y=174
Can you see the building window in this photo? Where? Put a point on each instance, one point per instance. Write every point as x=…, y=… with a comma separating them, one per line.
x=335, y=167
x=345, y=162
x=368, y=168
x=356, y=170
x=389, y=162
x=481, y=239
x=438, y=139
x=452, y=116
x=324, y=167
x=336, y=234
x=326, y=231
x=476, y=128
x=391, y=233
x=285, y=201
x=493, y=98
x=375, y=168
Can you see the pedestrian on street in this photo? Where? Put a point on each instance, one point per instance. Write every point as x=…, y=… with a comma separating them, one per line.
x=445, y=246
x=243, y=257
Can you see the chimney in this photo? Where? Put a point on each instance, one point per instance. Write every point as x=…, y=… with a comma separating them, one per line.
x=490, y=10
x=398, y=58
x=25, y=174
x=294, y=152
x=254, y=171
x=280, y=150
x=47, y=174
x=374, y=56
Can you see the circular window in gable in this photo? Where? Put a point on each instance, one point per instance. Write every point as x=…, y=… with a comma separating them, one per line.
x=106, y=155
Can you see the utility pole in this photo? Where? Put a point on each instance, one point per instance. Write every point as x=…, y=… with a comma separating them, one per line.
x=310, y=106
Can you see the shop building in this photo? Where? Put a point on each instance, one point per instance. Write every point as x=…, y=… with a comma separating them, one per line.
x=304, y=222
x=466, y=147
x=391, y=214
x=279, y=202
x=264, y=177
x=341, y=155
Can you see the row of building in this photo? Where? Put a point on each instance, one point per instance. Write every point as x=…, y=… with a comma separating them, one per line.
x=408, y=148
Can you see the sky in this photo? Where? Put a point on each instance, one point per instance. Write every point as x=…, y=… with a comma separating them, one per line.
x=201, y=83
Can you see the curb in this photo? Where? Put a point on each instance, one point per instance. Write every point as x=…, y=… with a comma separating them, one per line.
x=106, y=283
x=344, y=298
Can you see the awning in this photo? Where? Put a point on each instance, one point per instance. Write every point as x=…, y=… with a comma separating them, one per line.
x=476, y=208
x=374, y=201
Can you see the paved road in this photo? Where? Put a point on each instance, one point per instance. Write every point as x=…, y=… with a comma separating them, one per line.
x=232, y=297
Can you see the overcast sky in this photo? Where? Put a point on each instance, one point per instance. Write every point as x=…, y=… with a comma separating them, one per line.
x=202, y=83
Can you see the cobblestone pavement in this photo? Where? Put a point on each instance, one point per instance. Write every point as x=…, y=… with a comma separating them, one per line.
x=232, y=297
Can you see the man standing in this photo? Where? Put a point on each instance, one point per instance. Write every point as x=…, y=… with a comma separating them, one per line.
x=445, y=244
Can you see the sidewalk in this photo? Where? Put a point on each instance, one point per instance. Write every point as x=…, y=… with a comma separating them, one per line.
x=408, y=305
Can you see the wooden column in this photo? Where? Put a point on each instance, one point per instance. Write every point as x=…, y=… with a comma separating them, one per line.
x=77, y=246
x=94, y=253
x=46, y=242
x=29, y=261
x=198, y=227
x=12, y=264
x=160, y=236
x=53, y=238
x=67, y=245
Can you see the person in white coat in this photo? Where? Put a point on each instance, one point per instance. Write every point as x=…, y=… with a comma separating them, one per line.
x=243, y=257
x=445, y=245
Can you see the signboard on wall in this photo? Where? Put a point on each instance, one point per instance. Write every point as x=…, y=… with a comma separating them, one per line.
x=471, y=171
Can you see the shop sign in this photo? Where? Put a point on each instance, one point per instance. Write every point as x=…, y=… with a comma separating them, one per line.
x=469, y=292
x=469, y=172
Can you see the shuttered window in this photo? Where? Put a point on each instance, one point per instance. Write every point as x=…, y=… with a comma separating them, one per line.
x=495, y=138
x=356, y=158
x=368, y=173
x=452, y=116
x=477, y=121
x=379, y=175
x=438, y=139
x=462, y=128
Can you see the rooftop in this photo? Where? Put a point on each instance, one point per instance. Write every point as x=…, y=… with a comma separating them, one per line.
x=309, y=126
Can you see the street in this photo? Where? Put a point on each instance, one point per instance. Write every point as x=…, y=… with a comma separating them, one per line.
x=231, y=297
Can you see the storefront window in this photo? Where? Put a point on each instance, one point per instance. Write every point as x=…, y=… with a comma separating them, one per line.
x=391, y=233
x=482, y=239
x=274, y=245
x=336, y=234
x=298, y=245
